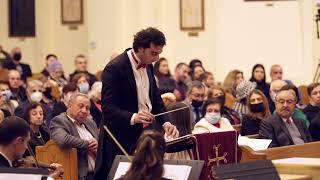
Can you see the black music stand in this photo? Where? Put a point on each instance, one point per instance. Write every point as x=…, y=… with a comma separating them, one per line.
x=196, y=166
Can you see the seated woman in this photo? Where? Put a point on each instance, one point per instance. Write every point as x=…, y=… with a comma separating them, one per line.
x=82, y=81
x=242, y=92
x=181, y=119
x=147, y=163
x=226, y=112
x=34, y=115
x=6, y=104
x=163, y=76
x=61, y=106
x=212, y=120
x=258, y=109
x=95, y=100
x=313, y=108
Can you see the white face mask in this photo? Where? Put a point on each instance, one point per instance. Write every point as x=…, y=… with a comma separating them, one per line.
x=36, y=96
x=212, y=117
x=84, y=87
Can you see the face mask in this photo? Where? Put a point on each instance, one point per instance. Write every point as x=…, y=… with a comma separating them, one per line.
x=47, y=92
x=196, y=103
x=36, y=96
x=7, y=94
x=222, y=99
x=17, y=56
x=212, y=118
x=83, y=87
x=257, y=107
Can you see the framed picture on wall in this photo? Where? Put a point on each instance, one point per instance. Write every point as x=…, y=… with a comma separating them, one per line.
x=72, y=11
x=191, y=15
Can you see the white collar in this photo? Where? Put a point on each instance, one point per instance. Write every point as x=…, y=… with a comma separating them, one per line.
x=9, y=161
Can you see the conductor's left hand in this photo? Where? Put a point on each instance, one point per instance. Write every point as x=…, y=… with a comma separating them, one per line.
x=171, y=131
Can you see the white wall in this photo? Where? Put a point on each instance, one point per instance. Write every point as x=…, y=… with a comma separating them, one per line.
x=51, y=36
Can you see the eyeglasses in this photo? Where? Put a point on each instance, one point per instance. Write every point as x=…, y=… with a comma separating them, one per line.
x=283, y=101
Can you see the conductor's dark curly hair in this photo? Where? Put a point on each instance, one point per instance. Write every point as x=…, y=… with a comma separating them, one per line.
x=147, y=36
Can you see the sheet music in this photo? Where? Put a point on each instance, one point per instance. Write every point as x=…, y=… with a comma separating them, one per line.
x=255, y=144
x=174, y=172
x=6, y=176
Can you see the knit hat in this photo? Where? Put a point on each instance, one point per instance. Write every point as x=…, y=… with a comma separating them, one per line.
x=244, y=89
x=54, y=66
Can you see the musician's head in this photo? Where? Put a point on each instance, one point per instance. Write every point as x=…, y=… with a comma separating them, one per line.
x=181, y=118
x=14, y=137
x=147, y=163
x=79, y=107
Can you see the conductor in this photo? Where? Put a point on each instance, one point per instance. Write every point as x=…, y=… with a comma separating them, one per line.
x=130, y=98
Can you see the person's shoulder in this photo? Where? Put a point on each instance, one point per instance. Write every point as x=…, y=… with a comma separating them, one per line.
x=25, y=65
x=60, y=118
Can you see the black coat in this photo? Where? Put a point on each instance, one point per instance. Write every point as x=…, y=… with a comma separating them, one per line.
x=275, y=129
x=3, y=162
x=311, y=111
x=250, y=125
x=314, y=128
x=119, y=103
x=95, y=113
x=58, y=108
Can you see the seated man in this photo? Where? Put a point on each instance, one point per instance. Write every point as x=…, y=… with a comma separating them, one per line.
x=75, y=129
x=14, y=137
x=16, y=87
x=281, y=127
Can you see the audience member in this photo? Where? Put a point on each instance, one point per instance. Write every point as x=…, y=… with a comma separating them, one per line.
x=230, y=114
x=196, y=96
x=258, y=109
x=5, y=56
x=50, y=93
x=276, y=72
x=166, y=83
x=56, y=76
x=61, y=106
x=74, y=129
x=81, y=65
x=180, y=76
x=50, y=58
x=35, y=115
x=275, y=87
x=207, y=79
x=193, y=63
x=242, y=92
x=147, y=163
x=34, y=94
x=168, y=98
x=5, y=98
x=15, y=63
x=197, y=72
x=95, y=100
x=16, y=87
x=313, y=108
x=181, y=119
x=232, y=80
x=259, y=77
x=212, y=120
x=82, y=81
x=281, y=127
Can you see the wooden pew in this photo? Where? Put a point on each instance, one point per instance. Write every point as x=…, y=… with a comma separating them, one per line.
x=52, y=153
x=310, y=150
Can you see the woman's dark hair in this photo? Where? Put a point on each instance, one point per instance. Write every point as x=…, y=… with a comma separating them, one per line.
x=147, y=36
x=30, y=107
x=76, y=77
x=181, y=119
x=266, y=113
x=208, y=102
x=252, y=79
x=147, y=163
x=70, y=87
x=310, y=88
x=194, y=62
x=156, y=66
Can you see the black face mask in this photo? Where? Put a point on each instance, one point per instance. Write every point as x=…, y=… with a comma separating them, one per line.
x=222, y=99
x=47, y=92
x=256, y=108
x=17, y=56
x=196, y=103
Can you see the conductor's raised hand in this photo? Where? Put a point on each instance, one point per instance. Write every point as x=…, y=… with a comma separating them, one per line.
x=143, y=117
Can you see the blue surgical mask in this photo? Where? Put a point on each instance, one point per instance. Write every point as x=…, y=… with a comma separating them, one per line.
x=7, y=93
x=212, y=117
x=83, y=87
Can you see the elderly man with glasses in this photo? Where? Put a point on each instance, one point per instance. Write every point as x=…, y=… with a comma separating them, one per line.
x=281, y=127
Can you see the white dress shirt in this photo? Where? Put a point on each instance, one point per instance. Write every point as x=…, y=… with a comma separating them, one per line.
x=142, y=84
x=84, y=135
